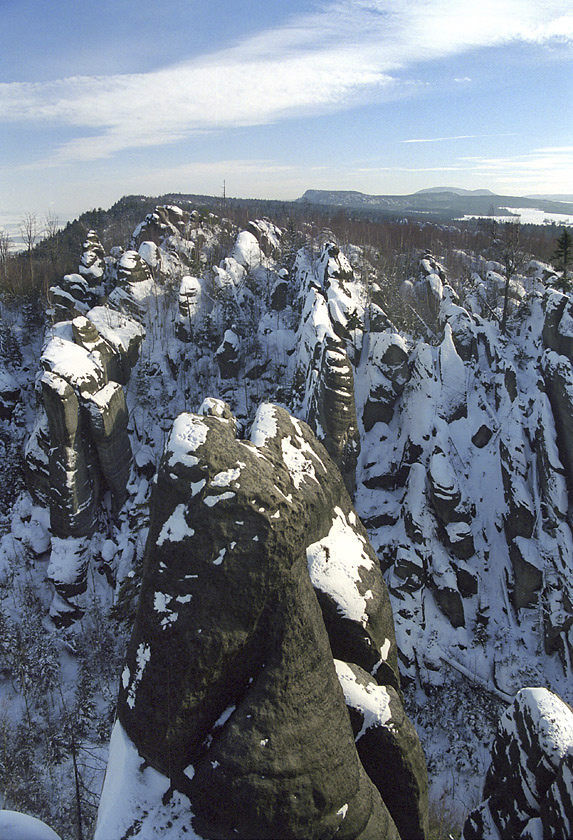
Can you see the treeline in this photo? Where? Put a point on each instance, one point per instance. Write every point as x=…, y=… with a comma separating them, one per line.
x=47, y=251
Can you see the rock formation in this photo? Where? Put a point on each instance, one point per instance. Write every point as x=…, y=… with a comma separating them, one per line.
x=527, y=792
x=332, y=411
x=92, y=263
x=80, y=446
x=257, y=573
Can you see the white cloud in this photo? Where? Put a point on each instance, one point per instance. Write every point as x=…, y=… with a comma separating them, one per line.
x=541, y=170
x=453, y=137
x=547, y=170
x=314, y=64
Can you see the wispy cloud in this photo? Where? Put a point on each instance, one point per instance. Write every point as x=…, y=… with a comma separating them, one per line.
x=315, y=63
x=547, y=169
x=456, y=137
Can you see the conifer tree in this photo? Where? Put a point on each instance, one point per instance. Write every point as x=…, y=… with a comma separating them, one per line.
x=564, y=253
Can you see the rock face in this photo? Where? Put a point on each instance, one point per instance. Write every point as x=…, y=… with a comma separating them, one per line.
x=80, y=446
x=558, y=374
x=466, y=457
x=333, y=412
x=257, y=573
x=389, y=373
x=527, y=792
x=9, y=394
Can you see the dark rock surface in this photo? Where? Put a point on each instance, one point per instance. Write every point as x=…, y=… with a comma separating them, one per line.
x=333, y=412
x=230, y=688
x=228, y=354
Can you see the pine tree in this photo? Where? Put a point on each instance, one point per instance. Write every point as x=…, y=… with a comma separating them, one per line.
x=564, y=253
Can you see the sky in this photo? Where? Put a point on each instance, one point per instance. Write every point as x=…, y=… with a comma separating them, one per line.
x=104, y=98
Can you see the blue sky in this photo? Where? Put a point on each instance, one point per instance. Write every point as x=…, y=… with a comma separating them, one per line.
x=102, y=98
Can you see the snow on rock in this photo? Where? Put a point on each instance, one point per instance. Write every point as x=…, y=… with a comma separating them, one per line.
x=381, y=728
x=227, y=608
x=31, y=524
x=74, y=364
x=268, y=235
x=453, y=403
x=67, y=569
x=334, y=564
x=92, y=263
x=345, y=297
x=121, y=331
x=332, y=411
x=188, y=433
x=264, y=425
x=9, y=394
x=17, y=826
x=372, y=701
x=133, y=798
x=190, y=301
x=386, y=373
x=315, y=327
x=72, y=296
x=149, y=252
x=247, y=251
x=176, y=527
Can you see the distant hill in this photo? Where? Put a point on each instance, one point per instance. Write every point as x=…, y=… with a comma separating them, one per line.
x=567, y=197
x=455, y=190
x=438, y=204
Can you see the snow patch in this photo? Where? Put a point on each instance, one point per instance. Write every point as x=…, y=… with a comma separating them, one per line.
x=224, y=478
x=132, y=798
x=211, y=501
x=372, y=701
x=334, y=564
x=142, y=657
x=175, y=528
x=189, y=432
x=264, y=426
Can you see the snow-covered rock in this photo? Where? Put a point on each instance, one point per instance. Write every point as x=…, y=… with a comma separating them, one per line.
x=527, y=791
x=17, y=826
x=241, y=531
x=92, y=263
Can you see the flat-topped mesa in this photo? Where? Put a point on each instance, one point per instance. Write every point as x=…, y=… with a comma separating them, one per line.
x=257, y=572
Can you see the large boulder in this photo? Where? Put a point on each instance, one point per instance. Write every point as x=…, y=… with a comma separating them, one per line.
x=80, y=444
x=123, y=334
x=527, y=792
x=256, y=572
